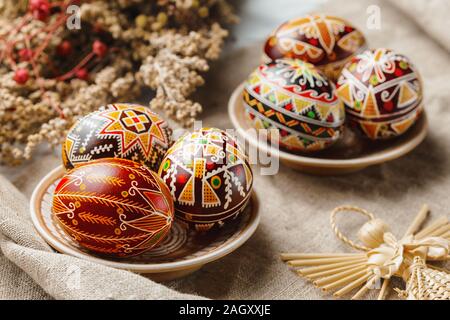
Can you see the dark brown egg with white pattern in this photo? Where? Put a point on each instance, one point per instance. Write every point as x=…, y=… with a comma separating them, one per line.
x=382, y=93
x=123, y=131
x=209, y=177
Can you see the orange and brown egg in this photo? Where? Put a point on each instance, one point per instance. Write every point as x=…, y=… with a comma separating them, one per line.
x=209, y=178
x=326, y=41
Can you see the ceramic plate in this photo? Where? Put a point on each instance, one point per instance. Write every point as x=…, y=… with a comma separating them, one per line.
x=181, y=253
x=352, y=153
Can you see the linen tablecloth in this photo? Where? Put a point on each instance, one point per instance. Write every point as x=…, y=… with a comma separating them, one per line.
x=295, y=207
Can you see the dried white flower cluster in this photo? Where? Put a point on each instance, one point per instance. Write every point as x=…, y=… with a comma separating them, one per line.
x=51, y=76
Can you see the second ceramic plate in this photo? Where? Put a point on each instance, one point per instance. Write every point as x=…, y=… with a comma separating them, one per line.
x=350, y=154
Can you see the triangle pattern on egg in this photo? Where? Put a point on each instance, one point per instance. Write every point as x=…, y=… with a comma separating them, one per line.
x=254, y=79
x=323, y=110
x=282, y=98
x=370, y=108
x=210, y=198
x=371, y=129
x=407, y=95
x=187, y=194
x=293, y=141
x=300, y=105
x=402, y=126
x=265, y=89
x=308, y=112
x=344, y=93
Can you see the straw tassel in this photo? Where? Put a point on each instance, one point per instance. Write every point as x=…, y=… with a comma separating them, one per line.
x=383, y=257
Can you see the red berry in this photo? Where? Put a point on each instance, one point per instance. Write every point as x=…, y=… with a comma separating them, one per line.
x=25, y=54
x=36, y=4
x=82, y=74
x=21, y=76
x=99, y=48
x=64, y=49
x=40, y=9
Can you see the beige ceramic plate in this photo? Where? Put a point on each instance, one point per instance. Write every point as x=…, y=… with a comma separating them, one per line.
x=350, y=154
x=181, y=253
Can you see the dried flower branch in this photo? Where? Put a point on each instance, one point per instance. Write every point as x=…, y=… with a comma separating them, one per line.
x=50, y=76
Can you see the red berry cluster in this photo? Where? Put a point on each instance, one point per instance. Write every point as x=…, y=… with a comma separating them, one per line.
x=42, y=10
x=31, y=59
x=21, y=76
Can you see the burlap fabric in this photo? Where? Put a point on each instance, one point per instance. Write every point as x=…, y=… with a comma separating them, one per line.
x=295, y=207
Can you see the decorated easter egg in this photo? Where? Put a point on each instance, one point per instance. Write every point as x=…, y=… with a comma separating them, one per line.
x=113, y=207
x=296, y=99
x=382, y=93
x=326, y=41
x=209, y=178
x=118, y=131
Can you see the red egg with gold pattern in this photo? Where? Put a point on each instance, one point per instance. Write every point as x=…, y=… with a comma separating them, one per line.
x=113, y=207
x=326, y=41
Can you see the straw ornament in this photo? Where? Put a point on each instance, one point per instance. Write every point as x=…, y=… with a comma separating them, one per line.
x=382, y=257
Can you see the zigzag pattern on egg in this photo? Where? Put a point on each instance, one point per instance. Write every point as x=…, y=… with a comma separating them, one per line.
x=295, y=98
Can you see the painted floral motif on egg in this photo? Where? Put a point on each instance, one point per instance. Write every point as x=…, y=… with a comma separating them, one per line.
x=118, y=131
x=382, y=92
x=113, y=207
x=298, y=100
x=326, y=41
x=209, y=178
